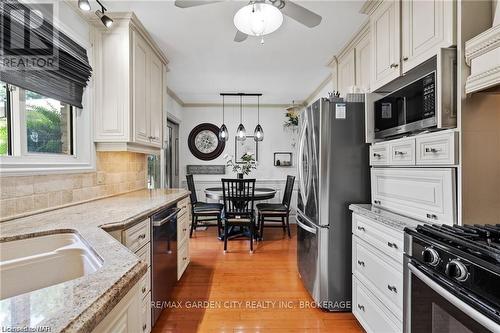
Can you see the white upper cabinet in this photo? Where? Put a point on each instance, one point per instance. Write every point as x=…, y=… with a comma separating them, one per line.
x=427, y=25
x=346, y=72
x=363, y=59
x=385, y=39
x=131, y=86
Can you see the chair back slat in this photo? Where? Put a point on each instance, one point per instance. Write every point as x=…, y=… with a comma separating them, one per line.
x=287, y=196
x=192, y=189
x=238, y=196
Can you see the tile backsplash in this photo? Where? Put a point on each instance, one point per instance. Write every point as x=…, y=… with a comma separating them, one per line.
x=116, y=172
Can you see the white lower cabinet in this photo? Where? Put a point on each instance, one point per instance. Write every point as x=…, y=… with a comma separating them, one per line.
x=183, y=226
x=377, y=281
x=427, y=194
x=125, y=316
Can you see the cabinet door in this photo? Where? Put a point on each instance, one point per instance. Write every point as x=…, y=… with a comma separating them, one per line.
x=346, y=73
x=385, y=38
x=156, y=104
x=427, y=26
x=363, y=60
x=141, y=88
x=422, y=193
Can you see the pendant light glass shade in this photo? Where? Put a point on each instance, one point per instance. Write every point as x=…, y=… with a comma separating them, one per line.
x=258, y=134
x=223, y=133
x=241, y=133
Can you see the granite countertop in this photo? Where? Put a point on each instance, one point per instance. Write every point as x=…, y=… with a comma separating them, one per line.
x=386, y=217
x=79, y=305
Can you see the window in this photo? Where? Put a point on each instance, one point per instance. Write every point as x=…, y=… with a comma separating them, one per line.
x=49, y=125
x=4, y=121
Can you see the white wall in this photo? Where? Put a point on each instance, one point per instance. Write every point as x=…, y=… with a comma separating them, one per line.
x=323, y=92
x=276, y=139
x=174, y=109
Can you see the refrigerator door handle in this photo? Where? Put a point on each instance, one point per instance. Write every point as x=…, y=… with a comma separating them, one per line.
x=305, y=227
x=300, y=164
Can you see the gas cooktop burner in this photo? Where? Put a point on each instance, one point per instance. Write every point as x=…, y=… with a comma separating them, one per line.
x=482, y=241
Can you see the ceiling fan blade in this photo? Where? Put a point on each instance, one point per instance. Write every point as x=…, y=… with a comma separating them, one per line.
x=301, y=14
x=240, y=36
x=192, y=3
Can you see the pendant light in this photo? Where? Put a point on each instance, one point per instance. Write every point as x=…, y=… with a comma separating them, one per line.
x=258, y=134
x=241, y=134
x=223, y=133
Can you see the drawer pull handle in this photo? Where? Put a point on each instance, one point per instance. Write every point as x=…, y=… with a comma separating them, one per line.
x=144, y=326
x=432, y=150
x=405, y=58
x=377, y=155
x=142, y=236
x=432, y=216
x=392, y=288
x=397, y=152
x=184, y=229
x=361, y=307
x=185, y=258
x=394, y=65
x=361, y=263
x=143, y=290
x=361, y=228
x=377, y=202
x=393, y=245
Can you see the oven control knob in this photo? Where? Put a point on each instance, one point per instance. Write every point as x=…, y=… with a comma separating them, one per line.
x=457, y=270
x=430, y=256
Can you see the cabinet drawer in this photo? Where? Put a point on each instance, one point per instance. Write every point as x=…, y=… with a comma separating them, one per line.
x=145, y=253
x=385, y=239
x=402, y=152
x=380, y=273
x=145, y=283
x=370, y=312
x=438, y=148
x=182, y=230
x=379, y=154
x=146, y=314
x=183, y=205
x=182, y=260
x=137, y=236
x=422, y=193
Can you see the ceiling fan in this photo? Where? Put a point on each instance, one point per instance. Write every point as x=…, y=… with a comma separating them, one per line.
x=262, y=17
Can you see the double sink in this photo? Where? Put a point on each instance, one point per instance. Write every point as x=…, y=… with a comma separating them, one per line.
x=34, y=263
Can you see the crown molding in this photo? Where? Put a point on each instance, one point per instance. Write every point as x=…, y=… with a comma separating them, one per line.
x=174, y=96
x=323, y=83
x=369, y=6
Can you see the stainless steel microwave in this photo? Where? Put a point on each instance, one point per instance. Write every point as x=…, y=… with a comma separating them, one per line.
x=423, y=99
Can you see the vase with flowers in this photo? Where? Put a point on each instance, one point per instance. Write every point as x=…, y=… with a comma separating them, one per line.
x=247, y=164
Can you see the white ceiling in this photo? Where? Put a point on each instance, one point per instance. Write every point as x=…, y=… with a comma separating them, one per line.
x=205, y=61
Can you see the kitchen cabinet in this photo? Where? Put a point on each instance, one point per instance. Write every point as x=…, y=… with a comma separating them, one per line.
x=125, y=316
x=183, y=227
x=377, y=269
x=385, y=39
x=402, y=151
x=362, y=65
x=426, y=194
x=130, y=86
x=346, y=72
x=379, y=153
x=427, y=25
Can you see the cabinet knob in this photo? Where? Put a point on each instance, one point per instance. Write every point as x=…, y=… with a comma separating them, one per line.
x=361, y=307
x=143, y=290
x=361, y=263
x=361, y=228
x=377, y=155
x=392, y=288
x=394, y=65
x=405, y=58
x=393, y=245
x=142, y=236
x=377, y=202
x=185, y=258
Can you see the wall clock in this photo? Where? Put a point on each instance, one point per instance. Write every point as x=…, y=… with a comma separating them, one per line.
x=204, y=143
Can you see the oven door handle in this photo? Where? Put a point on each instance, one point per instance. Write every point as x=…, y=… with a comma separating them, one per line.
x=468, y=310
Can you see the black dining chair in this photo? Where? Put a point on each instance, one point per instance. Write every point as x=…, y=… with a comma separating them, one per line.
x=203, y=211
x=238, y=199
x=271, y=212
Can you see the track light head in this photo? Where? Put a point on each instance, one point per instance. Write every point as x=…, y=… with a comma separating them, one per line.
x=105, y=19
x=84, y=5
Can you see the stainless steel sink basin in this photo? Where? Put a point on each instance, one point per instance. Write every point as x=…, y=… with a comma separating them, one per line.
x=39, y=262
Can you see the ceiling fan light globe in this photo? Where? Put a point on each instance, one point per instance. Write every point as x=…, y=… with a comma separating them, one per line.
x=258, y=19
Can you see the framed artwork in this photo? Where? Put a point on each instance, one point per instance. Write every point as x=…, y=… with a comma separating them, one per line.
x=204, y=143
x=283, y=159
x=247, y=146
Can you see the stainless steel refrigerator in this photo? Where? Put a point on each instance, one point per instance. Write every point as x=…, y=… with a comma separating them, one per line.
x=333, y=172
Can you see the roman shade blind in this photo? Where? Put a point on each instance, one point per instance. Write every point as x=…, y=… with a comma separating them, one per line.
x=37, y=56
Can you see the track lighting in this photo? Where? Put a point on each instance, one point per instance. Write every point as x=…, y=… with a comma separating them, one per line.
x=105, y=19
x=84, y=5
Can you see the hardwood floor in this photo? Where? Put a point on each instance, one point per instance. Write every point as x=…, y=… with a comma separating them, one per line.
x=239, y=292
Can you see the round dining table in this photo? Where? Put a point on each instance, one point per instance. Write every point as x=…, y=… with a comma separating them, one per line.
x=260, y=193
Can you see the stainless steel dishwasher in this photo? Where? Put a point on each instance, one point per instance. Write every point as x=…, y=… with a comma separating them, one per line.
x=164, y=258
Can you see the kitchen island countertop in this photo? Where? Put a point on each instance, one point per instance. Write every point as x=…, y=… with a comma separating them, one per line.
x=79, y=305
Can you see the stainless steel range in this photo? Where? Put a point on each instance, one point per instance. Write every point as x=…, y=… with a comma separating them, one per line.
x=452, y=279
